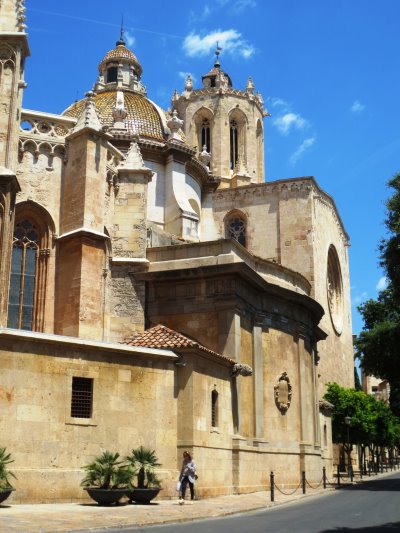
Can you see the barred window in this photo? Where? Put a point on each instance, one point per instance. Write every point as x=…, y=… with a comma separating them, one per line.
x=214, y=408
x=82, y=397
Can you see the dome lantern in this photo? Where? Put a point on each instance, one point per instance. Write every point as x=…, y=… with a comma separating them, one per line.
x=120, y=68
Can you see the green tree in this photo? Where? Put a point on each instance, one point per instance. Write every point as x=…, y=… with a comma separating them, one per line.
x=373, y=424
x=378, y=345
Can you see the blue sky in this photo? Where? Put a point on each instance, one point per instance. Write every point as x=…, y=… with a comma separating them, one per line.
x=327, y=70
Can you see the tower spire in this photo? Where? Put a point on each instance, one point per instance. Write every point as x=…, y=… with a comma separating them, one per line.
x=217, y=52
x=121, y=40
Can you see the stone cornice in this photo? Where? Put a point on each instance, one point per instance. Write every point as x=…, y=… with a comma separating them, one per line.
x=306, y=184
x=221, y=92
x=83, y=232
x=84, y=344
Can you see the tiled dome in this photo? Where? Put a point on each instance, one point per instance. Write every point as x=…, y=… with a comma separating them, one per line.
x=142, y=119
x=121, y=52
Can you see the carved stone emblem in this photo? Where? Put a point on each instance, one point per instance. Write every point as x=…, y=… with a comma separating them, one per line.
x=283, y=393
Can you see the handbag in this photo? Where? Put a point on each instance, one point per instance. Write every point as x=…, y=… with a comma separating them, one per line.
x=178, y=486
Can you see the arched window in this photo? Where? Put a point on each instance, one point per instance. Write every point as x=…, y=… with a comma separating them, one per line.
x=234, y=149
x=236, y=229
x=112, y=74
x=28, y=271
x=260, y=151
x=214, y=409
x=205, y=135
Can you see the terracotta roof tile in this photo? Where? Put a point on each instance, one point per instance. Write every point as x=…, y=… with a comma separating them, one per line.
x=162, y=337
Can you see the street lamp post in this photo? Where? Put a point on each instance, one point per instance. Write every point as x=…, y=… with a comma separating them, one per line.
x=347, y=421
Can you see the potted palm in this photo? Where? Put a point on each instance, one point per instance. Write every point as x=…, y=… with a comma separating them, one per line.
x=107, y=478
x=147, y=485
x=5, y=486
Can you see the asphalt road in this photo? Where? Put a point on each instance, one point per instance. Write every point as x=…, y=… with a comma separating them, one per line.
x=371, y=507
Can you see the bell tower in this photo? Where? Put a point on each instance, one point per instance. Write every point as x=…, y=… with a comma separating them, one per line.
x=227, y=123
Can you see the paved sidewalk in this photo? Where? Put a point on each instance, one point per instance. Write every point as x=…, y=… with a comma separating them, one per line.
x=80, y=517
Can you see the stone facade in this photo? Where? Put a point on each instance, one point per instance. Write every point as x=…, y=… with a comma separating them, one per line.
x=116, y=216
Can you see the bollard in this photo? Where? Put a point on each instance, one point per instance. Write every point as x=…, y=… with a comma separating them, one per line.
x=271, y=486
x=369, y=469
x=381, y=467
x=324, y=476
x=303, y=481
x=338, y=475
x=351, y=473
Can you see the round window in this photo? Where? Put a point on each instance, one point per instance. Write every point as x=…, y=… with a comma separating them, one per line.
x=335, y=290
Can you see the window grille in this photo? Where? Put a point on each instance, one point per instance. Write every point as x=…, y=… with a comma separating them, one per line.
x=82, y=397
x=214, y=408
x=236, y=229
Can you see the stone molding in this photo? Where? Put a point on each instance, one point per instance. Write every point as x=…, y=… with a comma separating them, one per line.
x=78, y=342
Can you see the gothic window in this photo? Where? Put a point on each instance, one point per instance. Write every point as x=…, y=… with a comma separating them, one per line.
x=260, y=154
x=234, y=151
x=236, y=229
x=214, y=408
x=28, y=272
x=23, y=273
x=205, y=135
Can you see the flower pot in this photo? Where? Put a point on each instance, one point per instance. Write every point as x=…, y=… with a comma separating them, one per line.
x=142, y=495
x=4, y=494
x=106, y=496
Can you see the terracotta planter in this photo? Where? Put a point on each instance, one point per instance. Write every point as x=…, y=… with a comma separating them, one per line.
x=106, y=496
x=143, y=496
x=4, y=494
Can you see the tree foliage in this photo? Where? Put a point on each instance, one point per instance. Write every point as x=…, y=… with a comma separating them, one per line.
x=378, y=345
x=372, y=421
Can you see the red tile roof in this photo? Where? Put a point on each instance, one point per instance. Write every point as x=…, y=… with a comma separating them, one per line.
x=162, y=337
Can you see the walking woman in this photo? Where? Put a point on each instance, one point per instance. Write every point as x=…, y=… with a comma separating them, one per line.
x=187, y=476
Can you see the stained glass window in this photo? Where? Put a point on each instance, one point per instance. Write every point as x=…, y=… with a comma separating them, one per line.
x=23, y=275
x=236, y=229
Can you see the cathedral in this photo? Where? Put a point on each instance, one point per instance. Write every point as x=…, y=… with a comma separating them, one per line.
x=155, y=290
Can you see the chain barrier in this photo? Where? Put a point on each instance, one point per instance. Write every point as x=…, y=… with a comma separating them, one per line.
x=317, y=486
x=288, y=493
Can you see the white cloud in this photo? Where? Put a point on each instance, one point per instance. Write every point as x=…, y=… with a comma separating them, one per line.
x=359, y=298
x=238, y=5
x=305, y=145
x=382, y=284
x=184, y=75
x=241, y=5
x=357, y=107
x=196, y=16
x=229, y=40
x=130, y=39
x=275, y=101
x=290, y=120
